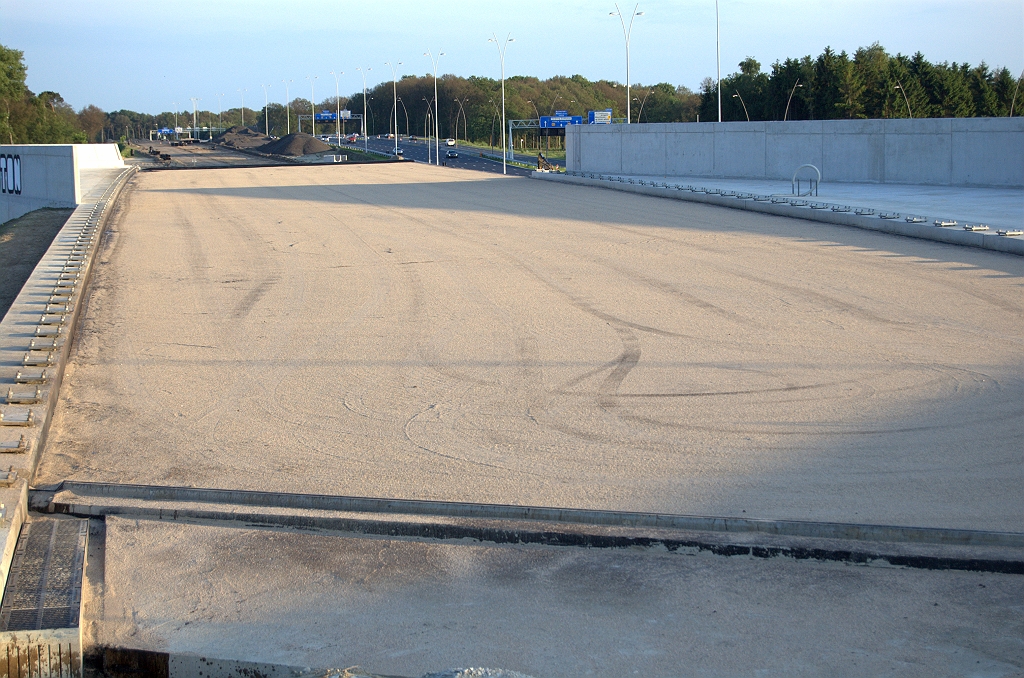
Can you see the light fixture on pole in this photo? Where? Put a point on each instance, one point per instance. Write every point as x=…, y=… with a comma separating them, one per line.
x=899, y=86
x=337, y=102
x=437, y=114
x=288, y=106
x=365, y=131
x=394, y=89
x=465, y=125
x=312, y=100
x=626, y=32
x=501, y=54
x=266, y=110
x=194, y=123
x=242, y=92
x=718, y=49
x=784, y=117
x=743, y=103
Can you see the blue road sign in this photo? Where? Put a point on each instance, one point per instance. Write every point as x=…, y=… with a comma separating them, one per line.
x=599, y=117
x=324, y=116
x=555, y=121
x=165, y=130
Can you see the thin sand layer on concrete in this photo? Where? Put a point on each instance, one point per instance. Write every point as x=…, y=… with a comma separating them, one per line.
x=407, y=607
x=420, y=332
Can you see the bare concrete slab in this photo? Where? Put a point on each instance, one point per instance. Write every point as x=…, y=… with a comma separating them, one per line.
x=409, y=607
x=419, y=332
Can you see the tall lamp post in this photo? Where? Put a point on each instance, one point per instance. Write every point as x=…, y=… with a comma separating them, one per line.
x=626, y=32
x=899, y=86
x=220, y=109
x=427, y=128
x=407, y=132
x=437, y=114
x=175, y=104
x=744, y=104
x=394, y=89
x=784, y=117
x=194, y=123
x=242, y=92
x=718, y=49
x=462, y=112
x=365, y=131
x=266, y=110
x=337, y=102
x=288, y=105
x=312, y=100
x=501, y=53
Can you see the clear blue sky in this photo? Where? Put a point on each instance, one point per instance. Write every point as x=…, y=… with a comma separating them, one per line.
x=143, y=55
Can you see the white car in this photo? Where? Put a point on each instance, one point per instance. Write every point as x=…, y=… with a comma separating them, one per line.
x=449, y=142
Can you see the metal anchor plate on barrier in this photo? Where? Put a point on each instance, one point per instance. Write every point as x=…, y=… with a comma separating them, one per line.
x=20, y=446
x=49, y=330
x=31, y=377
x=17, y=419
x=38, y=359
x=52, y=319
x=24, y=397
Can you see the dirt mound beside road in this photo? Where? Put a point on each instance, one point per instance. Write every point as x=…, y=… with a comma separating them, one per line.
x=295, y=145
x=241, y=137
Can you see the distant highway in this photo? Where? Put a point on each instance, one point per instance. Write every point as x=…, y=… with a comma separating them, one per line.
x=468, y=159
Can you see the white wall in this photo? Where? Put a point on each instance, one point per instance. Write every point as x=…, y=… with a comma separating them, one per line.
x=50, y=174
x=948, y=151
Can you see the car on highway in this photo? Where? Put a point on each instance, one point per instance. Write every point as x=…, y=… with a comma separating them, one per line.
x=451, y=154
x=399, y=151
x=449, y=142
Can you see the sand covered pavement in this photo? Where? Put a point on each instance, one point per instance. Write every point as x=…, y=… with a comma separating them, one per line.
x=418, y=332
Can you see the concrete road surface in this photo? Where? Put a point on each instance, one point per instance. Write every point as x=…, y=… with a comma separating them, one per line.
x=419, y=332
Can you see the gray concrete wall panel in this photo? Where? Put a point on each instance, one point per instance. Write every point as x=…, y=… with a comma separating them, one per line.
x=49, y=174
x=941, y=152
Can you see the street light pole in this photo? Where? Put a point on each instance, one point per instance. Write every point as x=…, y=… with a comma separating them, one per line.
x=744, y=104
x=312, y=100
x=784, y=117
x=718, y=48
x=899, y=86
x=437, y=113
x=175, y=104
x=337, y=102
x=194, y=123
x=501, y=54
x=365, y=131
x=242, y=92
x=266, y=111
x=626, y=33
x=394, y=89
x=288, y=105
x=220, y=109
x=465, y=127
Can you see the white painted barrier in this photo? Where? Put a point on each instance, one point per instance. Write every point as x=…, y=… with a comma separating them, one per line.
x=33, y=176
x=943, y=152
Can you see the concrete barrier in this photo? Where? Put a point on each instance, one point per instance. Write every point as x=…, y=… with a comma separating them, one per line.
x=942, y=152
x=33, y=176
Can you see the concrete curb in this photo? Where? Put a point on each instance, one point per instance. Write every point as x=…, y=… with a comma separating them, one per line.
x=793, y=528
x=898, y=225
x=53, y=294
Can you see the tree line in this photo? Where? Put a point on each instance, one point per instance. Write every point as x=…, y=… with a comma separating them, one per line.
x=870, y=83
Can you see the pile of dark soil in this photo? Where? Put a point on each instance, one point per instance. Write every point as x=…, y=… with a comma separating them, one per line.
x=295, y=145
x=241, y=137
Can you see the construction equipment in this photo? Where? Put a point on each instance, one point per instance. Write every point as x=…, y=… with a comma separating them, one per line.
x=543, y=165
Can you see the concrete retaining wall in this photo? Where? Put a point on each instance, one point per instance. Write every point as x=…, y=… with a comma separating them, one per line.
x=943, y=152
x=33, y=176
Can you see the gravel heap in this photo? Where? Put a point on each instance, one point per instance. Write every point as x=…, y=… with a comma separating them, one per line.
x=241, y=137
x=295, y=145
x=476, y=673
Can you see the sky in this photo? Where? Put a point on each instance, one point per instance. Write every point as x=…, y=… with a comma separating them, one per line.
x=146, y=55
